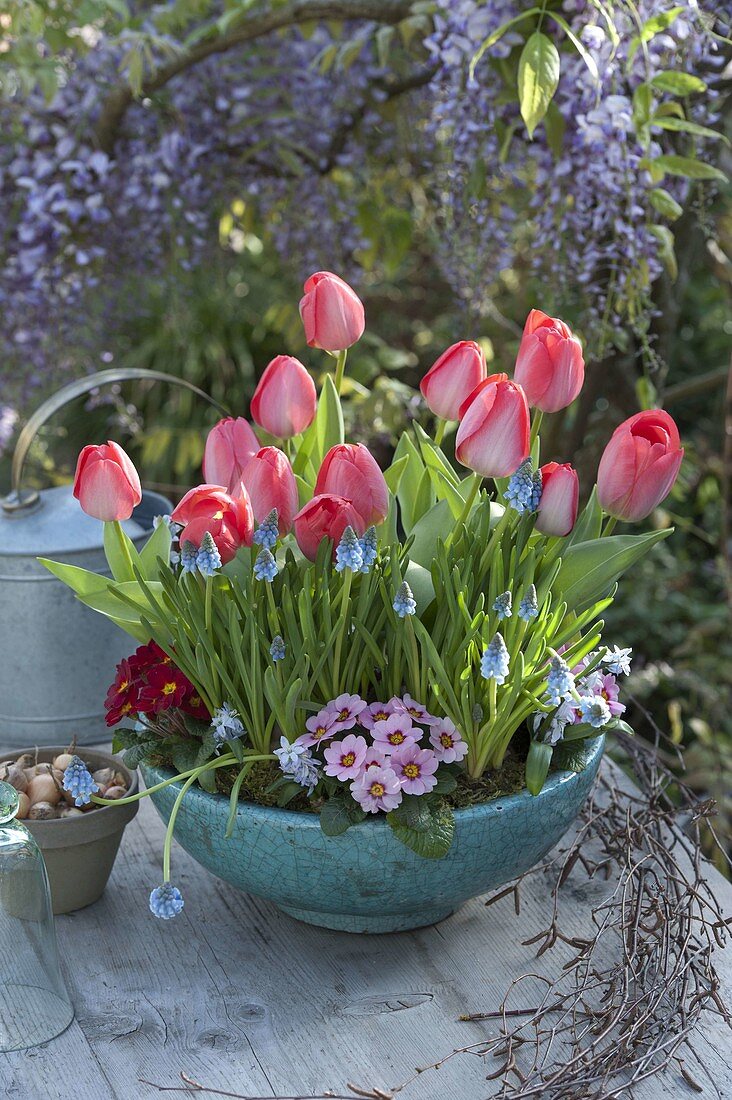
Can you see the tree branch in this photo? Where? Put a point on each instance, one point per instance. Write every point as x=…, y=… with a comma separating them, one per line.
x=255, y=26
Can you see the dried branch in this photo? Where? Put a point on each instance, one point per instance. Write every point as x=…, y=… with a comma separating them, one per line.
x=628, y=1001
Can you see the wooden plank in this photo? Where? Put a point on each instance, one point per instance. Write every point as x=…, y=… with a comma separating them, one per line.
x=242, y=998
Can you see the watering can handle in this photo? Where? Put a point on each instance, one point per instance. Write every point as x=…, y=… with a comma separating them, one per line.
x=18, y=500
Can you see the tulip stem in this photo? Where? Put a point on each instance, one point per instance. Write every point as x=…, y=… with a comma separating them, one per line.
x=609, y=526
x=440, y=430
x=340, y=369
x=536, y=425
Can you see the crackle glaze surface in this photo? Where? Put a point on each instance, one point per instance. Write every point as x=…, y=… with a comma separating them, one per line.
x=366, y=880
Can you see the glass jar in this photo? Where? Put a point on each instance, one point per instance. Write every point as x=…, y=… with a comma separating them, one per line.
x=34, y=1003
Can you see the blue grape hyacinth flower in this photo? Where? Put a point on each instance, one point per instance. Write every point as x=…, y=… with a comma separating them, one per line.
x=502, y=604
x=268, y=531
x=404, y=601
x=348, y=553
x=494, y=664
x=265, y=567
x=369, y=549
x=78, y=782
x=208, y=559
x=529, y=608
x=521, y=490
x=560, y=682
x=166, y=901
x=277, y=648
x=188, y=557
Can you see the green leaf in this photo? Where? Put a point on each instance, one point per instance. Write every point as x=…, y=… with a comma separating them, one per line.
x=554, y=127
x=434, y=524
x=433, y=838
x=121, y=563
x=82, y=581
x=157, y=546
x=682, y=125
x=678, y=83
x=589, y=569
x=538, y=77
x=338, y=814
x=393, y=476
x=667, y=252
x=570, y=757
x=589, y=522
x=410, y=480
x=496, y=34
x=651, y=28
x=688, y=167
x=665, y=204
x=419, y=580
x=586, y=57
x=329, y=430
x=537, y=765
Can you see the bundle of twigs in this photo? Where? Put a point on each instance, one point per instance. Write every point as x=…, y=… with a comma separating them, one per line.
x=624, y=1007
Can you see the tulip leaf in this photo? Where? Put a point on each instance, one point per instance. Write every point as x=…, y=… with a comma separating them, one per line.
x=393, y=476
x=590, y=569
x=120, y=552
x=82, y=581
x=410, y=480
x=436, y=523
x=538, y=77
x=433, y=457
x=157, y=546
x=329, y=430
x=419, y=580
x=445, y=490
x=589, y=522
x=537, y=765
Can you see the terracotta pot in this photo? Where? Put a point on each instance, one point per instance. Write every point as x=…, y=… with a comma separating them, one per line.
x=79, y=851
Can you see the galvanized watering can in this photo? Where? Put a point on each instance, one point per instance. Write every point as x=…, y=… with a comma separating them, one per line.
x=57, y=657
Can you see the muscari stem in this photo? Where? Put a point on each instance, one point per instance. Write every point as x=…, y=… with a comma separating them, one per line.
x=230, y=759
x=345, y=593
x=469, y=501
x=340, y=369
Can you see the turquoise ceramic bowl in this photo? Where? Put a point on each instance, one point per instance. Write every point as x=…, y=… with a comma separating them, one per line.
x=366, y=880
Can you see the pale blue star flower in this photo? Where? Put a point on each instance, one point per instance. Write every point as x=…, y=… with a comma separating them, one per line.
x=227, y=725
x=617, y=661
x=594, y=709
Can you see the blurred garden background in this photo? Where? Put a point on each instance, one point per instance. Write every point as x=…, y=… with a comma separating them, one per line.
x=170, y=174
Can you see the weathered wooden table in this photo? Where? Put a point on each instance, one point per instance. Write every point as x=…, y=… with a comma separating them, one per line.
x=242, y=998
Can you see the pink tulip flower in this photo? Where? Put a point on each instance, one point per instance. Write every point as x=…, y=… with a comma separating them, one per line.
x=270, y=482
x=229, y=519
x=106, y=483
x=350, y=470
x=229, y=446
x=557, y=511
x=549, y=365
x=493, y=435
x=453, y=377
x=639, y=465
x=325, y=517
x=285, y=400
x=332, y=313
